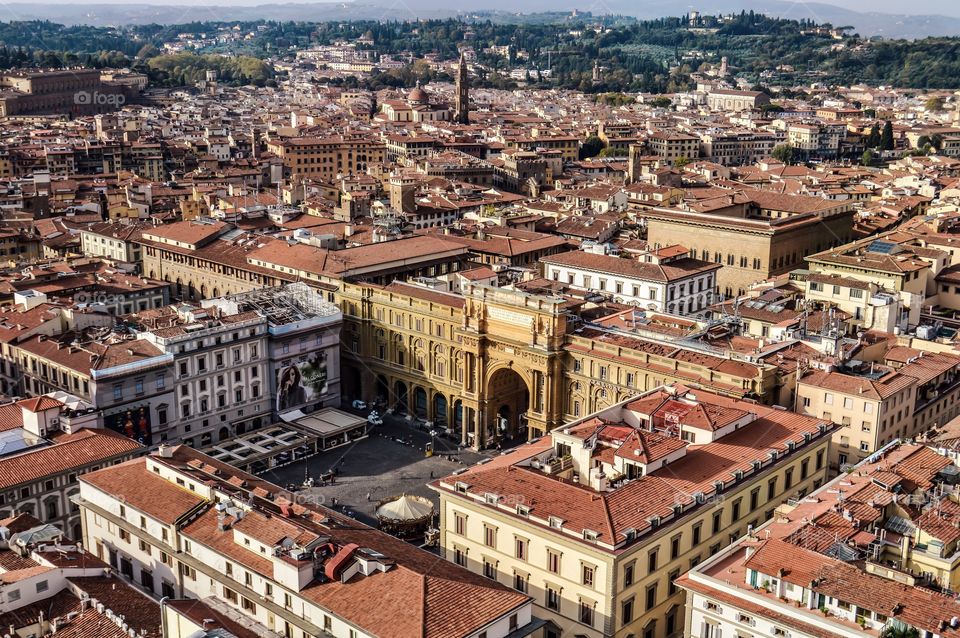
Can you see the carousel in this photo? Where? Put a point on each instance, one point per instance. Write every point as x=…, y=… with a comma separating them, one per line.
x=405, y=516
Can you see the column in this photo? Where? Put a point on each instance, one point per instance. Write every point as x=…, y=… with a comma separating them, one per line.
x=478, y=428
x=465, y=421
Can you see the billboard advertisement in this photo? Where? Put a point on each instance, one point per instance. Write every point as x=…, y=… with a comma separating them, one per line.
x=301, y=382
x=133, y=423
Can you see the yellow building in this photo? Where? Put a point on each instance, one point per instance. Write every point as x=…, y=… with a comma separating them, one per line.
x=492, y=362
x=597, y=519
x=876, y=403
x=902, y=271
x=486, y=362
x=327, y=157
x=754, y=234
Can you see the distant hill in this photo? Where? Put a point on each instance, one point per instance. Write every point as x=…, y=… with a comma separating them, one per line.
x=867, y=24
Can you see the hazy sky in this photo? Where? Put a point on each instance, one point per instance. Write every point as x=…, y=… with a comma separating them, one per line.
x=916, y=7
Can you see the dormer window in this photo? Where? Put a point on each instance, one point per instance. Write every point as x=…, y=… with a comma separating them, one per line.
x=461, y=487
x=556, y=523
x=590, y=535
x=491, y=499
x=654, y=521
x=523, y=510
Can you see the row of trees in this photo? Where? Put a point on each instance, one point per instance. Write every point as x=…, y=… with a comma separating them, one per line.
x=189, y=68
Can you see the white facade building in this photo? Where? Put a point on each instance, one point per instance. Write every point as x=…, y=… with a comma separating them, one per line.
x=183, y=525
x=664, y=280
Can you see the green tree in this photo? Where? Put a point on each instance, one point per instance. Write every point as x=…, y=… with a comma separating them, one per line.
x=873, y=139
x=591, y=147
x=611, y=152
x=783, y=153
x=899, y=630
x=867, y=158
x=886, y=137
x=147, y=51
x=935, y=103
x=661, y=102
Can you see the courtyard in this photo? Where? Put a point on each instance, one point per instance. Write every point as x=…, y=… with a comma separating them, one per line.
x=389, y=462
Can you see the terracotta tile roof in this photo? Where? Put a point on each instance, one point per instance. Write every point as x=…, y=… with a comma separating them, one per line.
x=876, y=389
x=60, y=604
x=739, y=602
x=917, y=606
x=420, y=596
x=82, y=448
x=89, y=356
x=630, y=506
x=39, y=404
x=140, y=611
x=154, y=496
x=188, y=232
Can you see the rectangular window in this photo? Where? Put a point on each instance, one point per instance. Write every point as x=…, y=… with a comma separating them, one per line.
x=521, y=548
x=586, y=613
x=588, y=575
x=553, y=561
x=651, y=596
x=489, y=570
x=553, y=599
x=520, y=583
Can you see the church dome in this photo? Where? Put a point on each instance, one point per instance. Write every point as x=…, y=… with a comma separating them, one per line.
x=418, y=96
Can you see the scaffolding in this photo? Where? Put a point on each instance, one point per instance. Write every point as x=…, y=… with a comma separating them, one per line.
x=282, y=305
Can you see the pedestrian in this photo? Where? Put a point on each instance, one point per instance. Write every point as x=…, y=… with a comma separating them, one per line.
x=368, y=496
x=431, y=473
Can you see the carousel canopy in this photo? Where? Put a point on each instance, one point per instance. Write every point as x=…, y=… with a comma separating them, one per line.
x=406, y=507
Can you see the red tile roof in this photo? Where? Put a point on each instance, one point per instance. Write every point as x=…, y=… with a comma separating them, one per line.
x=70, y=452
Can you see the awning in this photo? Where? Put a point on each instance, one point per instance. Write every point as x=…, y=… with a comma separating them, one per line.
x=530, y=627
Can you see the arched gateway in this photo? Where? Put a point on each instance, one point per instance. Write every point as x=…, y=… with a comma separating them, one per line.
x=512, y=343
x=482, y=363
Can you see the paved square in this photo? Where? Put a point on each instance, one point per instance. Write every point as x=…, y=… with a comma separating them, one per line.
x=389, y=462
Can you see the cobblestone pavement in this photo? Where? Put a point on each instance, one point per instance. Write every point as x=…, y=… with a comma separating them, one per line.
x=390, y=461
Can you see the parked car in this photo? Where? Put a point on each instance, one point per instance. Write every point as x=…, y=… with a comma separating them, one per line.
x=374, y=418
x=359, y=405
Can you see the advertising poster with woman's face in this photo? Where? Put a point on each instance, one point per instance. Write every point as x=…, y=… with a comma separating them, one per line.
x=301, y=382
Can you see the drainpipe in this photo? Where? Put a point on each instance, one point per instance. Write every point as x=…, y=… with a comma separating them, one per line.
x=163, y=616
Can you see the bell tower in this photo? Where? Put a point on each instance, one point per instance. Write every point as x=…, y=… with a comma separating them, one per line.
x=462, y=105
